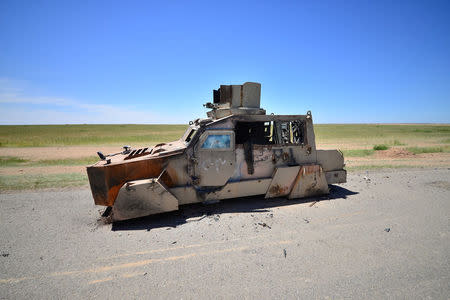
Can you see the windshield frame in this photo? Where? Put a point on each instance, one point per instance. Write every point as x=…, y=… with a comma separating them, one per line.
x=190, y=134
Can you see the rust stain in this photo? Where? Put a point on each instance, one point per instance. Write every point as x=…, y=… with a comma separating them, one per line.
x=141, y=152
x=170, y=177
x=106, y=180
x=278, y=190
x=304, y=170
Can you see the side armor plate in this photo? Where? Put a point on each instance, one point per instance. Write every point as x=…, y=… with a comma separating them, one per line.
x=142, y=198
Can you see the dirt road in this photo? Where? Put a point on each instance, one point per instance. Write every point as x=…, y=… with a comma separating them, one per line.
x=381, y=235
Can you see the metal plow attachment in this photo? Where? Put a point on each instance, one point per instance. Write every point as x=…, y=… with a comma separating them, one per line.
x=298, y=182
x=142, y=198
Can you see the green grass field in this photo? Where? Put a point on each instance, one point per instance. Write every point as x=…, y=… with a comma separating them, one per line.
x=39, y=181
x=357, y=153
x=81, y=135
x=13, y=161
x=366, y=136
x=419, y=150
x=388, y=132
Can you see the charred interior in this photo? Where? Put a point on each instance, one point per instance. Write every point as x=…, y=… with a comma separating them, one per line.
x=259, y=133
x=271, y=132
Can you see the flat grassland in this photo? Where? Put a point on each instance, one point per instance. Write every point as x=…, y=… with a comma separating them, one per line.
x=42, y=156
x=81, y=135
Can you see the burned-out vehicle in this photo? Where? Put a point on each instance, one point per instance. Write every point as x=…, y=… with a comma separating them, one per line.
x=237, y=151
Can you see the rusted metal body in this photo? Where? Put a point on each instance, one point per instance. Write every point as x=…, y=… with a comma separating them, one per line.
x=237, y=151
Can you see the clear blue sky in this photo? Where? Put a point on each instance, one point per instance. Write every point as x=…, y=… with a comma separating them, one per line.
x=158, y=62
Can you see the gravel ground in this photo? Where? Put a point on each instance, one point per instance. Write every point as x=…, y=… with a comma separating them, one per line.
x=384, y=234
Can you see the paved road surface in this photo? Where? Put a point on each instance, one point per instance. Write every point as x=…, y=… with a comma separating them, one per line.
x=387, y=237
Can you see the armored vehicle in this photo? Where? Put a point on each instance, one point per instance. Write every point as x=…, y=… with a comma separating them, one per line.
x=237, y=151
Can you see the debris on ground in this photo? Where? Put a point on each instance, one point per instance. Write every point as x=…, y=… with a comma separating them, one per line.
x=198, y=219
x=306, y=220
x=366, y=178
x=312, y=204
x=5, y=254
x=265, y=225
x=174, y=242
x=387, y=229
x=284, y=252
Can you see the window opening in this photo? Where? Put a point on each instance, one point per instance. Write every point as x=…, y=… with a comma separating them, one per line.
x=217, y=141
x=190, y=135
x=297, y=128
x=259, y=133
x=292, y=132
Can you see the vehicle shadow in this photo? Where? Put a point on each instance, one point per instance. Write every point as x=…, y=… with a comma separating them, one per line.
x=198, y=211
